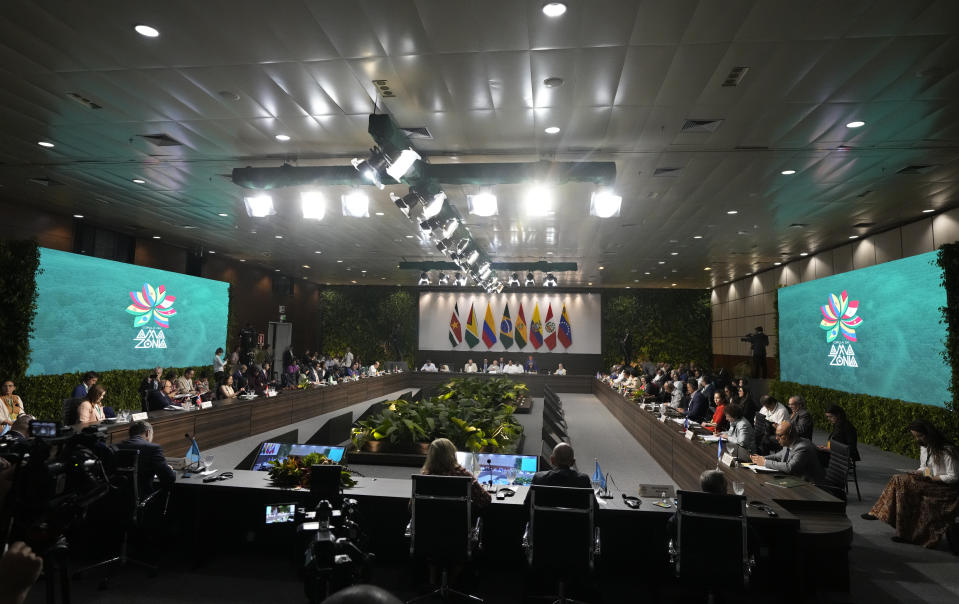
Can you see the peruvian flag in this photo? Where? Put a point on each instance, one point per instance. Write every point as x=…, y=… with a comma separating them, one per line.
x=550, y=328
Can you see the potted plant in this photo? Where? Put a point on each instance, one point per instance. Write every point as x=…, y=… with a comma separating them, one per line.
x=292, y=472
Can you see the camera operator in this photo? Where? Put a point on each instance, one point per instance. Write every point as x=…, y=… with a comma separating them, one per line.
x=19, y=566
x=758, y=341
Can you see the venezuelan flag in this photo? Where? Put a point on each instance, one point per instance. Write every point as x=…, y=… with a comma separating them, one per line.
x=565, y=330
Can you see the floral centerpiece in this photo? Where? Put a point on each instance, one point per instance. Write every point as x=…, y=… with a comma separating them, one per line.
x=292, y=472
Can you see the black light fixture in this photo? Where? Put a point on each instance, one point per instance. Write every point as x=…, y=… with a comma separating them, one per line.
x=372, y=168
x=514, y=280
x=424, y=278
x=444, y=279
x=459, y=279
x=550, y=280
x=529, y=280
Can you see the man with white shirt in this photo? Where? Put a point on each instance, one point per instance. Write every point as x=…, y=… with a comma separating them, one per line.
x=374, y=369
x=470, y=367
x=429, y=367
x=494, y=368
x=348, y=358
x=512, y=368
x=560, y=370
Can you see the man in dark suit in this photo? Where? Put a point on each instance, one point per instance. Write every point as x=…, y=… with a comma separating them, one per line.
x=530, y=365
x=562, y=474
x=89, y=379
x=152, y=462
x=158, y=399
x=797, y=457
x=698, y=405
x=800, y=417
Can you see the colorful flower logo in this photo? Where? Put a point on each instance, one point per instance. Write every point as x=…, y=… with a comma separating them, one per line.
x=150, y=303
x=840, y=316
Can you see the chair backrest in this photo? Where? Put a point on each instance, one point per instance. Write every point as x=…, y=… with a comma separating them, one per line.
x=838, y=467
x=325, y=483
x=441, y=524
x=711, y=533
x=70, y=408
x=126, y=481
x=561, y=528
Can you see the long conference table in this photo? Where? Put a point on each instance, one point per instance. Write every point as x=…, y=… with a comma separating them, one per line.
x=810, y=527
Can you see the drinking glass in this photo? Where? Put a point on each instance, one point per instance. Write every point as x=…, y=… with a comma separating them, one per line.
x=739, y=487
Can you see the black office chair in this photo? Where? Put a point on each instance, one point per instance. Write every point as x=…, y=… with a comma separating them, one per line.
x=125, y=498
x=441, y=530
x=562, y=537
x=836, y=480
x=704, y=520
x=70, y=412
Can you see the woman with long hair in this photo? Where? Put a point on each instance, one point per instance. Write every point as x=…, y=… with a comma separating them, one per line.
x=923, y=505
x=842, y=431
x=91, y=407
x=441, y=461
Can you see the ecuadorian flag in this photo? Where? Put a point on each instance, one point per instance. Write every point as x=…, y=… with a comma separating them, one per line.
x=506, y=329
x=472, y=336
x=520, y=330
x=489, y=333
x=536, y=329
x=565, y=334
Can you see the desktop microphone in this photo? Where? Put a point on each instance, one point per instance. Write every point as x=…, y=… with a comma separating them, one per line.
x=489, y=468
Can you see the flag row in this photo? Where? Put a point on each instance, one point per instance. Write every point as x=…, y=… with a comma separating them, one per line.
x=537, y=333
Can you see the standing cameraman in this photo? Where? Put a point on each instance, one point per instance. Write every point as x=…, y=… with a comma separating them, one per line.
x=758, y=341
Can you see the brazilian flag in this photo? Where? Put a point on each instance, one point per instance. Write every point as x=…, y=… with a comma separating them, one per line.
x=506, y=329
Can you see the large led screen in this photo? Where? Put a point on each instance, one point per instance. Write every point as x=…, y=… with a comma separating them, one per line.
x=99, y=314
x=873, y=331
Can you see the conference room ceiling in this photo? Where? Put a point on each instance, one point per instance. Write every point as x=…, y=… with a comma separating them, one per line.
x=224, y=77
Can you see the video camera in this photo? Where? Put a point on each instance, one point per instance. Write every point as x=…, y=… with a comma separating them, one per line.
x=334, y=556
x=57, y=474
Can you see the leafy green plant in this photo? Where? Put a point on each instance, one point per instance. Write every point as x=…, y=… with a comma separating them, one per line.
x=291, y=472
x=948, y=260
x=19, y=262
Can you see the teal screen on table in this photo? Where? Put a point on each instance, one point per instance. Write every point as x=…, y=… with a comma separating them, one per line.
x=95, y=314
x=883, y=338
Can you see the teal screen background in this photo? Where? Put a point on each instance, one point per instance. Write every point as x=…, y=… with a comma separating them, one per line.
x=82, y=323
x=900, y=341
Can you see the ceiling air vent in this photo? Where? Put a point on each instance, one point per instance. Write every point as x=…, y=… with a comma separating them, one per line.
x=43, y=181
x=863, y=225
x=917, y=169
x=735, y=76
x=161, y=140
x=701, y=125
x=667, y=171
x=798, y=225
x=86, y=102
x=418, y=132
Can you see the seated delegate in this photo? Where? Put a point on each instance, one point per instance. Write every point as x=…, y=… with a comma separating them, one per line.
x=428, y=366
x=91, y=407
x=151, y=461
x=470, y=367
x=800, y=416
x=160, y=399
x=562, y=474
x=740, y=431
x=441, y=461
x=842, y=431
x=12, y=404
x=923, y=505
x=560, y=370
x=797, y=456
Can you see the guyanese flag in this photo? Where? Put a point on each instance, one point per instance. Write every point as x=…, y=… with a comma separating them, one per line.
x=456, y=334
x=520, y=330
x=489, y=333
x=506, y=328
x=565, y=329
x=472, y=336
x=550, y=327
x=536, y=329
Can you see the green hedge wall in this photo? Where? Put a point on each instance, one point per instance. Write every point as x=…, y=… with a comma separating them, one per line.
x=879, y=421
x=43, y=394
x=377, y=323
x=666, y=325
x=19, y=261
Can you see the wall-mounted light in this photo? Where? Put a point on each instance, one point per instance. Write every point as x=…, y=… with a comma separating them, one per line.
x=259, y=206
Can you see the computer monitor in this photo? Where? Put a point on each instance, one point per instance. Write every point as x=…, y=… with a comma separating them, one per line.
x=280, y=513
x=505, y=469
x=271, y=451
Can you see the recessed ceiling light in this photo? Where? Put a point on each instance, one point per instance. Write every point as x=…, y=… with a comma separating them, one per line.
x=627, y=287
x=602, y=268
x=554, y=9
x=590, y=283
x=382, y=278
x=674, y=285
x=146, y=31
x=379, y=213
x=363, y=271
x=708, y=268
x=156, y=236
x=854, y=236
x=276, y=270
x=306, y=266
x=223, y=214
x=46, y=144
x=855, y=124
x=552, y=130
x=278, y=236
x=787, y=172
x=673, y=253
x=78, y=215
x=803, y=254
x=282, y=137
x=139, y=181
x=242, y=259
x=697, y=236
x=339, y=261
x=213, y=252
x=731, y=212
x=352, y=281
x=777, y=263
x=662, y=262
x=408, y=236
x=928, y=211
x=647, y=273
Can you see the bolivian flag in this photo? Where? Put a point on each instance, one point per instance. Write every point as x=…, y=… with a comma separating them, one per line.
x=565, y=330
x=489, y=333
x=456, y=334
x=550, y=327
x=472, y=336
x=536, y=329
x=520, y=328
x=506, y=329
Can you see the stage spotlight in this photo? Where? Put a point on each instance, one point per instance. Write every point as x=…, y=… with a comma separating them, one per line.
x=424, y=278
x=472, y=257
x=514, y=280
x=356, y=204
x=482, y=204
x=444, y=279
x=313, y=204
x=497, y=286
x=550, y=280
x=372, y=168
x=529, y=280
x=442, y=228
x=484, y=270
x=459, y=279
x=604, y=204
x=402, y=164
x=259, y=206
x=539, y=201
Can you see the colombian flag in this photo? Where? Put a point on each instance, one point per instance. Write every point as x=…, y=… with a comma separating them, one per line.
x=550, y=326
x=520, y=328
x=472, y=336
x=456, y=335
x=489, y=334
x=565, y=331
x=506, y=329
x=536, y=329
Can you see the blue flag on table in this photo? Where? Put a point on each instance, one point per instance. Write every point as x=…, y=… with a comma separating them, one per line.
x=719, y=450
x=598, y=476
x=686, y=424
x=193, y=455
